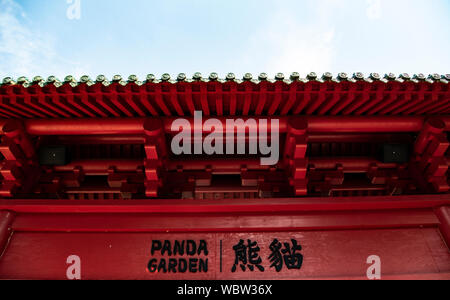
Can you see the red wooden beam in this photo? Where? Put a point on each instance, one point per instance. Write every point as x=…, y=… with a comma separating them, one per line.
x=101, y=166
x=132, y=126
x=179, y=223
x=227, y=206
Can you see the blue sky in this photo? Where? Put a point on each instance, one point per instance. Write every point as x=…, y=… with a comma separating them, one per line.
x=173, y=36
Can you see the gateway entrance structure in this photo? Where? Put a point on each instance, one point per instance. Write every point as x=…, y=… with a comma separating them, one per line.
x=87, y=169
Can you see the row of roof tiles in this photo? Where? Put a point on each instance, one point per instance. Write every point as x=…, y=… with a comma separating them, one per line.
x=38, y=80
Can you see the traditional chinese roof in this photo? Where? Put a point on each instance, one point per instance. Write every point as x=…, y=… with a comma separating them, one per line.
x=325, y=95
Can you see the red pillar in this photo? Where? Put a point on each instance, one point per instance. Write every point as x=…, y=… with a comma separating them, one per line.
x=6, y=219
x=295, y=155
x=429, y=156
x=156, y=154
x=443, y=214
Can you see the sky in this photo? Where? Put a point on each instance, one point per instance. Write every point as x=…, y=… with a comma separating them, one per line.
x=92, y=37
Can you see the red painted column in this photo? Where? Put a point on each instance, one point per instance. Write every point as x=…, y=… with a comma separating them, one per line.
x=295, y=155
x=156, y=154
x=15, y=131
x=443, y=214
x=429, y=151
x=18, y=150
x=6, y=219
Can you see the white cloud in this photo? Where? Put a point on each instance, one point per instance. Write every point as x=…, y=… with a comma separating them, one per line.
x=24, y=51
x=286, y=45
x=301, y=49
x=374, y=9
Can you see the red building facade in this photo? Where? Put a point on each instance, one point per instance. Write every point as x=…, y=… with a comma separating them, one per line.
x=87, y=170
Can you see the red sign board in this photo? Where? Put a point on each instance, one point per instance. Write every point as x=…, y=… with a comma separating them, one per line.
x=277, y=255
